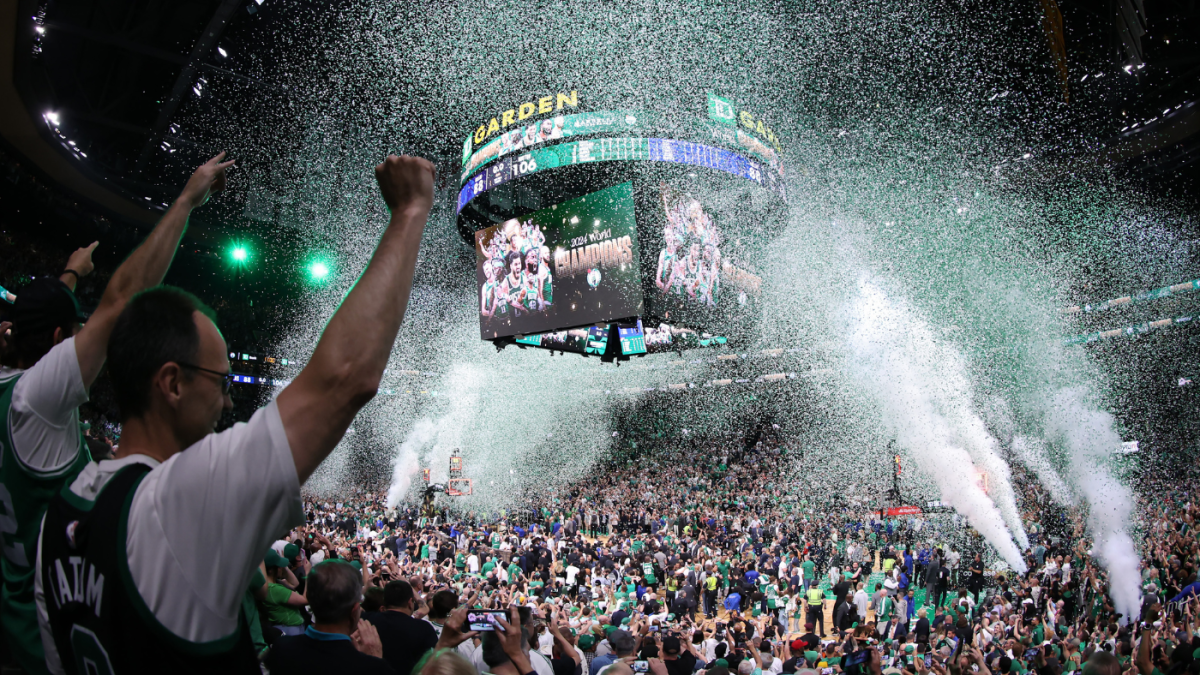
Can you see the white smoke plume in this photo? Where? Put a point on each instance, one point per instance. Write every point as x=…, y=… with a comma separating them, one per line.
x=1089, y=437
x=408, y=460
x=1033, y=454
x=919, y=383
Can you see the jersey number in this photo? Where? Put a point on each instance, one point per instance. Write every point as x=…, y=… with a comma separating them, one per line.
x=90, y=657
x=14, y=551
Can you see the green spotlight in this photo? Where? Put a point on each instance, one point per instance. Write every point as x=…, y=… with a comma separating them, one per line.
x=318, y=270
x=239, y=254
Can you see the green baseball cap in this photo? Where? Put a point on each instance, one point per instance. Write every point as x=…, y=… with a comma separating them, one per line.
x=273, y=559
x=291, y=551
x=586, y=641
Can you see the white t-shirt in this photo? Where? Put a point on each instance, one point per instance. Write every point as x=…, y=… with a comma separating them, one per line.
x=44, y=417
x=473, y=563
x=224, y=499
x=571, y=572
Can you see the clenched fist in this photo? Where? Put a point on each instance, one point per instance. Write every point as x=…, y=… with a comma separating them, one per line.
x=406, y=182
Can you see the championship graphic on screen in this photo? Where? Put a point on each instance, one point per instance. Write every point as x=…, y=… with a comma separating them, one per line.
x=567, y=265
x=694, y=280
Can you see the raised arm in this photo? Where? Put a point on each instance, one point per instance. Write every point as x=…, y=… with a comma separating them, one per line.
x=345, y=369
x=145, y=267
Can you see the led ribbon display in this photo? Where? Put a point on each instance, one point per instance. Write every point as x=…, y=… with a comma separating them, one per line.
x=525, y=137
x=620, y=149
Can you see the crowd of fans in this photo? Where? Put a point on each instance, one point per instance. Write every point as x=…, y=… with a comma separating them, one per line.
x=707, y=561
x=698, y=559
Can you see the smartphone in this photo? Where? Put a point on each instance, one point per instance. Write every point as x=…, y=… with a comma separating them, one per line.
x=653, y=629
x=827, y=671
x=641, y=666
x=928, y=659
x=485, y=619
x=1031, y=654
x=856, y=658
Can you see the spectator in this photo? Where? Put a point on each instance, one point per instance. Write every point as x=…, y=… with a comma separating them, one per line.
x=283, y=603
x=164, y=604
x=338, y=640
x=48, y=370
x=405, y=639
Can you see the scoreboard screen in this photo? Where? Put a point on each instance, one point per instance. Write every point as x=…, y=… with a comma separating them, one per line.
x=633, y=340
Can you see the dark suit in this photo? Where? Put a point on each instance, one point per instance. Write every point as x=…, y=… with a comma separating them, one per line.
x=405, y=639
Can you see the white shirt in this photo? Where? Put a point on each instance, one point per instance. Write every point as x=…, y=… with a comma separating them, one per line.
x=473, y=563
x=571, y=572
x=224, y=499
x=861, y=601
x=44, y=417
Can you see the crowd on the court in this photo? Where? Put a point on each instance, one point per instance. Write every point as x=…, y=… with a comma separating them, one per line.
x=699, y=559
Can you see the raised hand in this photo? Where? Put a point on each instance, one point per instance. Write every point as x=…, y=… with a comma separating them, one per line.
x=406, y=182
x=208, y=180
x=366, y=640
x=452, y=631
x=81, y=260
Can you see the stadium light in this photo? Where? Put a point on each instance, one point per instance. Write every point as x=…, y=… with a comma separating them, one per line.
x=239, y=254
x=319, y=270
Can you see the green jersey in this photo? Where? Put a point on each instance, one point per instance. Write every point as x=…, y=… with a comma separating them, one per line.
x=24, y=495
x=810, y=570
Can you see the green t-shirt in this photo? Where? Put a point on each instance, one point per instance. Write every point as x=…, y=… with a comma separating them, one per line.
x=460, y=561
x=278, y=611
x=514, y=572
x=487, y=567
x=810, y=570
x=251, y=609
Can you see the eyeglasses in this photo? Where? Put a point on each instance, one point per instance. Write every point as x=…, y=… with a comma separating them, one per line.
x=226, y=378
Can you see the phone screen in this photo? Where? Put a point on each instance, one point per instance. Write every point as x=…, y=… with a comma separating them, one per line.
x=485, y=619
x=928, y=659
x=641, y=666
x=855, y=659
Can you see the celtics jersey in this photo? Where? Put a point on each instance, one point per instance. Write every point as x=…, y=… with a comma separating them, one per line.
x=98, y=619
x=24, y=493
x=547, y=287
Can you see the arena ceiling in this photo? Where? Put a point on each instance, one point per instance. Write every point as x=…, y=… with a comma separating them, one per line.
x=117, y=75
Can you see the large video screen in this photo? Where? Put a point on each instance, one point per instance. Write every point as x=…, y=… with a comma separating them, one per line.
x=696, y=277
x=567, y=265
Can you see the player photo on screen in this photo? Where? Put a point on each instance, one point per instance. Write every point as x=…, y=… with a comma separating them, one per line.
x=689, y=264
x=694, y=278
x=515, y=140
x=568, y=265
x=516, y=269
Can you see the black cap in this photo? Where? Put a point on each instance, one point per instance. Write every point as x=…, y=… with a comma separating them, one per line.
x=671, y=645
x=45, y=304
